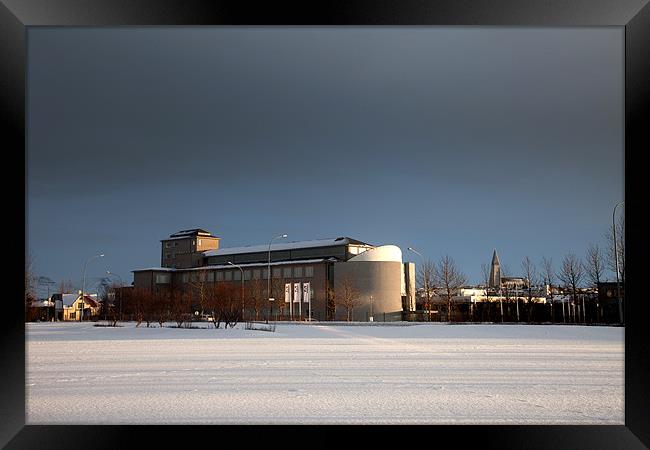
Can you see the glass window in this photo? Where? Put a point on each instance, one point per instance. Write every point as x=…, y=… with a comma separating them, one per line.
x=228, y=275
x=309, y=271
x=167, y=244
x=219, y=276
x=237, y=275
x=297, y=272
x=247, y=275
x=287, y=272
x=210, y=277
x=199, y=241
x=162, y=278
x=265, y=274
x=256, y=274
x=185, y=277
x=175, y=243
x=276, y=272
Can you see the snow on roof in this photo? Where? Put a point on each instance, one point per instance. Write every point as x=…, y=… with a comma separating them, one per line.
x=155, y=269
x=229, y=266
x=283, y=246
x=190, y=232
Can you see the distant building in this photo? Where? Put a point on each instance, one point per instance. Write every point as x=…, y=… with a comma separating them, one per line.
x=497, y=281
x=68, y=306
x=302, y=272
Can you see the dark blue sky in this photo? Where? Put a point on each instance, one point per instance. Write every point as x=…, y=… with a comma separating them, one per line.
x=450, y=140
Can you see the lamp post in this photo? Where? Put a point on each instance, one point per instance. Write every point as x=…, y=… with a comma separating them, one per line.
x=424, y=275
x=83, y=284
x=618, y=286
x=268, y=269
x=242, y=288
x=121, y=287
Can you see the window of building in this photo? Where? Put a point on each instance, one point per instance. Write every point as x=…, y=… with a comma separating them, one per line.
x=228, y=275
x=256, y=274
x=199, y=241
x=247, y=275
x=265, y=274
x=219, y=276
x=287, y=272
x=72, y=315
x=194, y=277
x=277, y=272
x=210, y=277
x=167, y=244
x=163, y=278
x=193, y=242
x=297, y=272
x=175, y=243
x=309, y=271
x=185, y=277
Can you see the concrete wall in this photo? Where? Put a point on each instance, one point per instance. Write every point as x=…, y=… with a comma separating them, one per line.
x=379, y=279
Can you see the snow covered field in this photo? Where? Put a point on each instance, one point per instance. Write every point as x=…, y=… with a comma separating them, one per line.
x=324, y=374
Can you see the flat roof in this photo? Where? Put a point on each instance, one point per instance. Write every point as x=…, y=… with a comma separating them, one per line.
x=229, y=266
x=330, y=242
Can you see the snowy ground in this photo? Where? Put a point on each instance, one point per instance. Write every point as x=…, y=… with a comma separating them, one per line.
x=323, y=374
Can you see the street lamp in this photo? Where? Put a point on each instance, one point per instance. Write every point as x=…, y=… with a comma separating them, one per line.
x=268, y=269
x=618, y=286
x=83, y=284
x=121, y=287
x=242, y=288
x=424, y=275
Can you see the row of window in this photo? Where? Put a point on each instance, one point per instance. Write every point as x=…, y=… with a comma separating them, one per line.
x=169, y=244
x=235, y=275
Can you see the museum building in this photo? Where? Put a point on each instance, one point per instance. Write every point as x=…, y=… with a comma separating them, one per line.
x=305, y=275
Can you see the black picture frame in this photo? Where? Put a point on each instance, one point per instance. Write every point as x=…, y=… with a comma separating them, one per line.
x=16, y=16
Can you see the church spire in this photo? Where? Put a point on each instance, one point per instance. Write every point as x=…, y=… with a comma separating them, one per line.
x=495, y=271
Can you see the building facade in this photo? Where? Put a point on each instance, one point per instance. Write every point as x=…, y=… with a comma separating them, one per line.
x=307, y=278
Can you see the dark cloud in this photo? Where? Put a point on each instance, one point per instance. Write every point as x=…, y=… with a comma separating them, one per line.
x=489, y=137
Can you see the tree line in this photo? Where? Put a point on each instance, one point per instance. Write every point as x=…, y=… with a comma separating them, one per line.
x=575, y=278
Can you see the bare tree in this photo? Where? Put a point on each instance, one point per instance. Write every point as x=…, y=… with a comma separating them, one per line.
x=199, y=286
x=530, y=273
x=255, y=294
x=571, y=275
x=595, y=269
x=180, y=306
x=277, y=290
x=507, y=289
x=332, y=303
x=230, y=305
x=137, y=304
x=448, y=279
x=548, y=274
x=427, y=282
x=348, y=295
x=594, y=264
x=485, y=271
x=30, y=290
x=163, y=306
x=620, y=249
